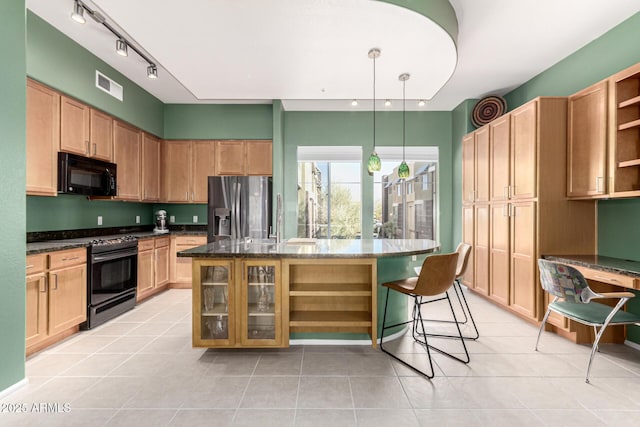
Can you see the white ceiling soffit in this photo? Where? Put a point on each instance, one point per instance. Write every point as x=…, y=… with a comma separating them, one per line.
x=312, y=54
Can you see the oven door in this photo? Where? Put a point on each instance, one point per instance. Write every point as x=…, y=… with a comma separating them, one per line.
x=112, y=274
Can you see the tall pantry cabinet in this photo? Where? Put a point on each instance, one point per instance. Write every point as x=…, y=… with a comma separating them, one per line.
x=519, y=209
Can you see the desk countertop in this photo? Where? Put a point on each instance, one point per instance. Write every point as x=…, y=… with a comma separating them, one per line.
x=321, y=248
x=603, y=263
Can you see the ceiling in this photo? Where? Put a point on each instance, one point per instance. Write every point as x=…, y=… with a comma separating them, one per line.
x=312, y=54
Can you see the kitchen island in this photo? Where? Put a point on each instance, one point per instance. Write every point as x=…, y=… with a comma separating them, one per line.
x=258, y=293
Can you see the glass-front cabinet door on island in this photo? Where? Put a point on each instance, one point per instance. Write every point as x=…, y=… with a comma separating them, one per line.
x=214, y=303
x=260, y=319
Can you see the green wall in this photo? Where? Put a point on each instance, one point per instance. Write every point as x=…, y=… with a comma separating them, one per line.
x=217, y=121
x=12, y=191
x=69, y=212
x=432, y=128
x=61, y=63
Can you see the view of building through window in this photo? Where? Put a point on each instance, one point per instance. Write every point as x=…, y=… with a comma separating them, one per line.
x=330, y=194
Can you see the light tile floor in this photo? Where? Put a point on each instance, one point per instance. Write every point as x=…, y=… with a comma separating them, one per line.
x=140, y=370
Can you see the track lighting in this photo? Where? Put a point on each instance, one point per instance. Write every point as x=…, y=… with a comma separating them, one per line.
x=121, y=47
x=122, y=44
x=152, y=71
x=78, y=13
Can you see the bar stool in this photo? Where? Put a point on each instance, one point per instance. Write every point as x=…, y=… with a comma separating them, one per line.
x=436, y=277
x=463, y=250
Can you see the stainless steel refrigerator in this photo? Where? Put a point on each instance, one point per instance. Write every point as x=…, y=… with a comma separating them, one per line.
x=239, y=206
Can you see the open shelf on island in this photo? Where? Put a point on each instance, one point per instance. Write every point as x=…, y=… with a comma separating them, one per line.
x=330, y=289
x=330, y=318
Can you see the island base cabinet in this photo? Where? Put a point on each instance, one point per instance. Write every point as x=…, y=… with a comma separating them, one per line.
x=332, y=296
x=237, y=303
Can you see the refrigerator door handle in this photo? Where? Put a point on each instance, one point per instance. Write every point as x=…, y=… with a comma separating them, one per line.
x=238, y=214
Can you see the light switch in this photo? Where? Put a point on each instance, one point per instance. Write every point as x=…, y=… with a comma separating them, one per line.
x=99, y=219
x=195, y=219
x=137, y=219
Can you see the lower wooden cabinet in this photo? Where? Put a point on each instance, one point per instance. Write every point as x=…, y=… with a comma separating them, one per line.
x=56, y=292
x=153, y=266
x=180, y=272
x=238, y=303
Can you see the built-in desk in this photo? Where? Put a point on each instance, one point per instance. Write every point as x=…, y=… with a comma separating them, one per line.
x=604, y=274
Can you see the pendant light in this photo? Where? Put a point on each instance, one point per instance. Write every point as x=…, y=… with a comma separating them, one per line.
x=403, y=169
x=373, y=164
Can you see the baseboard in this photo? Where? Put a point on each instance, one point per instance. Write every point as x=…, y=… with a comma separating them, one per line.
x=632, y=344
x=9, y=390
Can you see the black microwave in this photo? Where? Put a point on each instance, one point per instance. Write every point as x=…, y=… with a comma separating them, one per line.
x=82, y=175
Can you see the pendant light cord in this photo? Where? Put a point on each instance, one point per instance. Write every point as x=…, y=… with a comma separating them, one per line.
x=374, y=103
x=404, y=85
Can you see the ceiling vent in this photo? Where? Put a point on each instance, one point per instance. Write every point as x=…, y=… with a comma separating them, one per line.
x=108, y=85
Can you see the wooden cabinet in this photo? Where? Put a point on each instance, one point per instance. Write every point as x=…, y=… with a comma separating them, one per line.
x=332, y=295
x=100, y=135
x=126, y=154
x=624, y=132
x=468, y=237
x=528, y=213
x=234, y=157
x=475, y=171
x=151, y=149
x=56, y=296
x=85, y=131
x=153, y=266
x=36, y=299
x=181, y=268
x=238, y=303
x=43, y=139
x=587, y=142
x=187, y=166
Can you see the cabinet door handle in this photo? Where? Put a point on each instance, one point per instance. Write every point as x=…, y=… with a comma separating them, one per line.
x=95, y=148
x=88, y=148
x=45, y=282
x=70, y=259
x=512, y=210
x=607, y=279
x=505, y=191
x=186, y=193
x=56, y=281
x=30, y=266
x=598, y=180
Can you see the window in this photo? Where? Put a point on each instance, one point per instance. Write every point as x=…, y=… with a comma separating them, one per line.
x=329, y=192
x=406, y=208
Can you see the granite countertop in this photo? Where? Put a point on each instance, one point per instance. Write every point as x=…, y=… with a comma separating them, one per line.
x=322, y=248
x=79, y=242
x=621, y=266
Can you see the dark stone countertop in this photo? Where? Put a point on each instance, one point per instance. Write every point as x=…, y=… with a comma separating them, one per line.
x=322, y=248
x=80, y=242
x=624, y=267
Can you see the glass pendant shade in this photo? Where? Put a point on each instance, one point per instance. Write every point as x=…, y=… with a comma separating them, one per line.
x=403, y=170
x=374, y=165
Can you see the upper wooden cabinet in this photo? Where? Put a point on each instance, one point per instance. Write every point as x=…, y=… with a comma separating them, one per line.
x=587, y=142
x=151, y=149
x=186, y=167
x=500, y=158
x=43, y=139
x=126, y=154
x=85, y=131
x=475, y=172
x=524, y=151
x=234, y=157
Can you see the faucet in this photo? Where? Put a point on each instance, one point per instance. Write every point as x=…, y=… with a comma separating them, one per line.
x=278, y=235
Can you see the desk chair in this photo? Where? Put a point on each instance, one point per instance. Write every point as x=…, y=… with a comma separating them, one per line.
x=463, y=250
x=436, y=277
x=574, y=300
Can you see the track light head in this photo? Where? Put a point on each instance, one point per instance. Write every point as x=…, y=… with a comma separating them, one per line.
x=152, y=71
x=121, y=47
x=78, y=13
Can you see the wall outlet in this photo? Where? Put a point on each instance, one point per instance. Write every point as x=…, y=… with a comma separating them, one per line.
x=172, y=219
x=137, y=219
x=195, y=219
x=414, y=258
x=99, y=219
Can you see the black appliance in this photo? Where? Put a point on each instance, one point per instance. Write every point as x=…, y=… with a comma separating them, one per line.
x=82, y=175
x=112, y=278
x=239, y=206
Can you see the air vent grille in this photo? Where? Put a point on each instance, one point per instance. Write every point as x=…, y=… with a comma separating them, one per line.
x=109, y=86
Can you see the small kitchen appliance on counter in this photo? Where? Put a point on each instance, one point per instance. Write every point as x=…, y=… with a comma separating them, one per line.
x=161, y=222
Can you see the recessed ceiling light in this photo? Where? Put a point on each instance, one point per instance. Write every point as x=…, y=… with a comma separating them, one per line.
x=421, y=103
x=387, y=103
x=354, y=103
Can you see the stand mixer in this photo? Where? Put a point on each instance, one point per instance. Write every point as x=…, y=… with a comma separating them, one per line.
x=161, y=222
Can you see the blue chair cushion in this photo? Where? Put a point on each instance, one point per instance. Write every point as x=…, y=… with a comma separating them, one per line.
x=592, y=313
